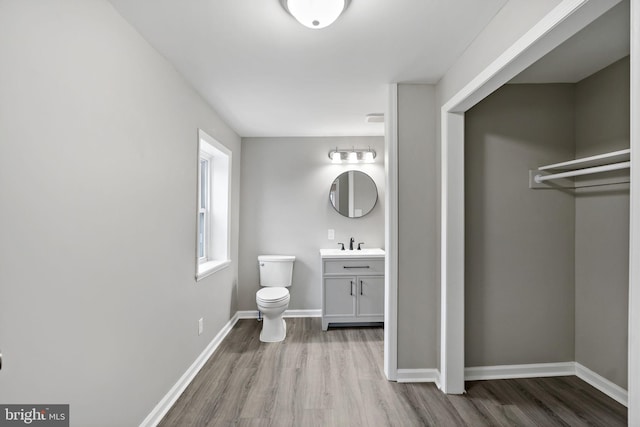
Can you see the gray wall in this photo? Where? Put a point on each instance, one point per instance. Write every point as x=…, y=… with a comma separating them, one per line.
x=418, y=301
x=98, y=148
x=520, y=243
x=286, y=210
x=602, y=227
x=519, y=255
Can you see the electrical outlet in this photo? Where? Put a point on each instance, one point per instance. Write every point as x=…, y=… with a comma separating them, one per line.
x=200, y=326
x=331, y=234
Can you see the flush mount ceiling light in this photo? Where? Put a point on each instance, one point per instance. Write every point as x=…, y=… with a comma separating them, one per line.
x=353, y=155
x=315, y=14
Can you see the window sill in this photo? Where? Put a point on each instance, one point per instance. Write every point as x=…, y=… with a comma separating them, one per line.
x=206, y=269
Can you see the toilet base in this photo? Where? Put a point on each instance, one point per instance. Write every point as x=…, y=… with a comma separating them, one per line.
x=273, y=330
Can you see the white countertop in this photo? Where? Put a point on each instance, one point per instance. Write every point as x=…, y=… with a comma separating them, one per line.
x=363, y=253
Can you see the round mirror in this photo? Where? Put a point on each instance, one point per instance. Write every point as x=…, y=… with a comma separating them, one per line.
x=353, y=194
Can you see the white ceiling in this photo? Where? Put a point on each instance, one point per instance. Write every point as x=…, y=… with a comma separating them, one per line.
x=601, y=43
x=267, y=75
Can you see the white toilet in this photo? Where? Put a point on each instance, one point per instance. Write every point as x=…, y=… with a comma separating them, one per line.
x=276, y=272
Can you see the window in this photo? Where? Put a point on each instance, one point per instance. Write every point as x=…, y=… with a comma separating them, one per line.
x=214, y=179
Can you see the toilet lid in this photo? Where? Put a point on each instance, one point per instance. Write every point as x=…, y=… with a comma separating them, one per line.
x=273, y=294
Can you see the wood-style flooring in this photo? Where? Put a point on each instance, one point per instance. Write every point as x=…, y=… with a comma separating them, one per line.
x=335, y=378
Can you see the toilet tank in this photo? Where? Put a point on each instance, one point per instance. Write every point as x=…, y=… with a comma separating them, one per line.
x=276, y=270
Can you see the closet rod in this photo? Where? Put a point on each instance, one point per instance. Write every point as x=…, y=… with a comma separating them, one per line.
x=585, y=171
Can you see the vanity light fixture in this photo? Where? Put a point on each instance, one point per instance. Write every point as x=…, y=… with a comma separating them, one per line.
x=335, y=156
x=354, y=155
x=368, y=156
x=315, y=14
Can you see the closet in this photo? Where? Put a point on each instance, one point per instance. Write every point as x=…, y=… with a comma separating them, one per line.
x=547, y=210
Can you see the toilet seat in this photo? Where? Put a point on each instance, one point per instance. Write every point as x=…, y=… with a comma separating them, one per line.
x=272, y=295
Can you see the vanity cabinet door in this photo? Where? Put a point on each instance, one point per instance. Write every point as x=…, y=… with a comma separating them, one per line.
x=339, y=296
x=370, y=296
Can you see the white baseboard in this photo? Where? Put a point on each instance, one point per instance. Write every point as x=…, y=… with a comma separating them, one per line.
x=539, y=370
x=253, y=314
x=248, y=314
x=170, y=398
x=303, y=313
x=418, y=376
x=612, y=390
x=534, y=370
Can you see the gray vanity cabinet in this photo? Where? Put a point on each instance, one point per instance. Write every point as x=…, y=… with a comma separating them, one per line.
x=352, y=290
x=338, y=298
x=370, y=299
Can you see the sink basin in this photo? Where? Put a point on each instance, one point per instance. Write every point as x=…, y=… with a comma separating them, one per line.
x=338, y=253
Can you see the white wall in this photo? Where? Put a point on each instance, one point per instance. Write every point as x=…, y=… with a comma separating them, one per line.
x=286, y=210
x=98, y=149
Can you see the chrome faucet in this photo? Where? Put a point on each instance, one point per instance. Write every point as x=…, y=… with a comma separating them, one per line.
x=351, y=243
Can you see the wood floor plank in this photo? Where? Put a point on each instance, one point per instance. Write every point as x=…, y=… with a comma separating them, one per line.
x=433, y=405
x=582, y=397
x=494, y=410
x=335, y=378
x=559, y=403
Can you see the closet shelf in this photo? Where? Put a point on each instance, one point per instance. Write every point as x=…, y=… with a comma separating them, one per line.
x=586, y=162
x=605, y=162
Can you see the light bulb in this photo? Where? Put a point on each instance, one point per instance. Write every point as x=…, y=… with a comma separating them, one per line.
x=368, y=157
x=353, y=157
x=315, y=14
x=336, y=157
